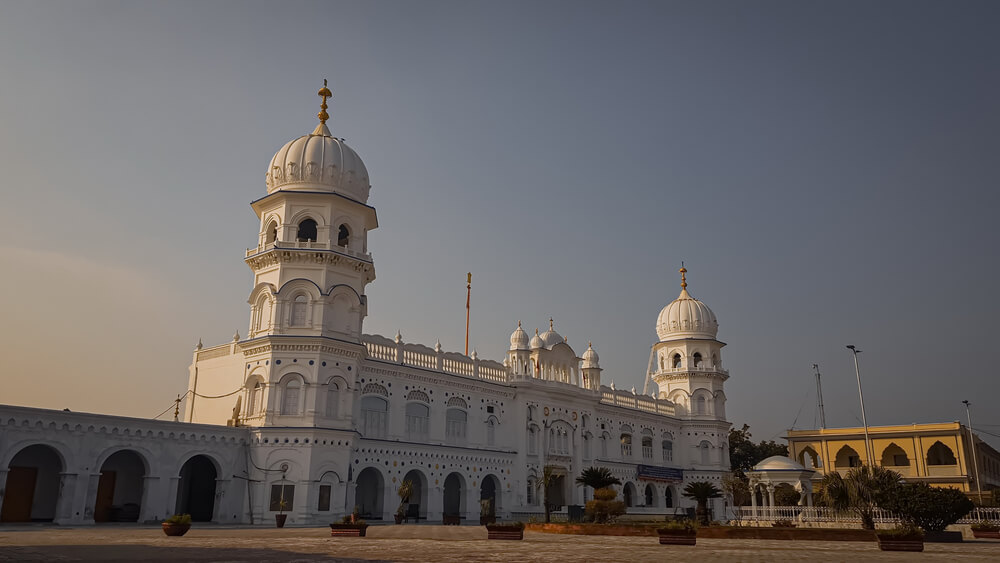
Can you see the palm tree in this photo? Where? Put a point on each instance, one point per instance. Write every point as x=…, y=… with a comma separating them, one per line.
x=548, y=477
x=702, y=491
x=597, y=477
x=862, y=490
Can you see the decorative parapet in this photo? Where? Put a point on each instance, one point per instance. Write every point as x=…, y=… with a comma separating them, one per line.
x=418, y=355
x=219, y=351
x=308, y=245
x=630, y=400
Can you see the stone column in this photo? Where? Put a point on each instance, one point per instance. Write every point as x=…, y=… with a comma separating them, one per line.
x=3, y=483
x=435, y=501
x=753, y=498
x=148, y=505
x=69, y=510
x=219, y=511
x=171, y=506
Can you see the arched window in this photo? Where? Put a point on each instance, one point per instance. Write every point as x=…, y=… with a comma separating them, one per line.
x=299, y=305
x=668, y=450
x=256, y=398
x=531, y=491
x=668, y=498
x=715, y=361
x=697, y=359
x=676, y=363
x=647, y=448
x=374, y=416
x=491, y=428
x=847, y=457
x=626, y=446
x=271, y=233
x=532, y=442
x=586, y=446
x=699, y=405
x=940, y=454
x=454, y=428
x=332, y=398
x=649, y=495
x=704, y=447
x=604, y=445
x=259, y=314
x=417, y=421
x=307, y=231
x=343, y=236
x=290, y=396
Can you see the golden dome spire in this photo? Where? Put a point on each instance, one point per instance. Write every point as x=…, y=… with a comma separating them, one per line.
x=683, y=271
x=324, y=93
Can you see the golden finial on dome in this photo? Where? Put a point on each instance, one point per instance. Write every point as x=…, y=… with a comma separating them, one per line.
x=324, y=93
x=683, y=272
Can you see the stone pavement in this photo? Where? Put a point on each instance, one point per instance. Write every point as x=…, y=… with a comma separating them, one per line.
x=429, y=543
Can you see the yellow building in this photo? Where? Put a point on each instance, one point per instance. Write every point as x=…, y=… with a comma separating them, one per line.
x=933, y=453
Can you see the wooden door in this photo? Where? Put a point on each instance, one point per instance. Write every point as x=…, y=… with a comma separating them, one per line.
x=105, y=496
x=20, y=492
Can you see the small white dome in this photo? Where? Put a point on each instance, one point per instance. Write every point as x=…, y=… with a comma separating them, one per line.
x=590, y=358
x=778, y=463
x=536, y=341
x=519, y=338
x=686, y=317
x=551, y=337
x=319, y=162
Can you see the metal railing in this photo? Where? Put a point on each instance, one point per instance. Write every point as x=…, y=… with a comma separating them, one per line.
x=825, y=514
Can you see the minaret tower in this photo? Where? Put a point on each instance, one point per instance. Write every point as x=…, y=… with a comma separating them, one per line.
x=687, y=359
x=310, y=262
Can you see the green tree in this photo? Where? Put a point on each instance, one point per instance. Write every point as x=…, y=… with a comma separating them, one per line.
x=702, y=491
x=862, y=490
x=744, y=453
x=931, y=508
x=597, y=477
x=737, y=487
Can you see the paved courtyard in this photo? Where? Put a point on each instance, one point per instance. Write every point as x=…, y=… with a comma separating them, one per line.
x=429, y=543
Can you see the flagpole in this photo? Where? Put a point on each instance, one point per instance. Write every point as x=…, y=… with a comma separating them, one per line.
x=468, y=303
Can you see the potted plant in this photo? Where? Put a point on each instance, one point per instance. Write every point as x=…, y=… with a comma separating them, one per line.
x=177, y=525
x=404, y=492
x=280, y=517
x=678, y=532
x=349, y=526
x=505, y=531
x=906, y=537
x=986, y=530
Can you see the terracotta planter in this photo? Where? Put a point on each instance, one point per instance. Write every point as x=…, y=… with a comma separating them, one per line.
x=900, y=544
x=942, y=537
x=348, y=530
x=451, y=520
x=678, y=539
x=279, y=520
x=504, y=532
x=175, y=529
x=983, y=534
x=398, y=518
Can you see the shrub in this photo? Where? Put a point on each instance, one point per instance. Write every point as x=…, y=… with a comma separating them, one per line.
x=931, y=508
x=178, y=519
x=604, y=507
x=782, y=524
x=605, y=494
x=986, y=527
x=902, y=532
x=678, y=526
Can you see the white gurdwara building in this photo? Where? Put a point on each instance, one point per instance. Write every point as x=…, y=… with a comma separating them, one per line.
x=309, y=416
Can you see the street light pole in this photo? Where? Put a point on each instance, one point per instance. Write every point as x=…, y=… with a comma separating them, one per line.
x=864, y=419
x=972, y=444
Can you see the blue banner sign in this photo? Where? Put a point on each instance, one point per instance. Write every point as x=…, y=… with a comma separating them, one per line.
x=654, y=473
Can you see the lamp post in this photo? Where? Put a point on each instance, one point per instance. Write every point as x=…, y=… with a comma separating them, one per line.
x=972, y=444
x=864, y=419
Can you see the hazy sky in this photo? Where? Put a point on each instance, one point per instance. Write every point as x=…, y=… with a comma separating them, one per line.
x=828, y=171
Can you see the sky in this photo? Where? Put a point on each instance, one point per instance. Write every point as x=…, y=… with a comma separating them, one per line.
x=828, y=172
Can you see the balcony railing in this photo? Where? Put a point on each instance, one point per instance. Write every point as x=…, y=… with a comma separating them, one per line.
x=308, y=245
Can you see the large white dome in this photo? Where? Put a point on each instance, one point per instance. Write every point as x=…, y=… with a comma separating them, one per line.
x=686, y=317
x=319, y=162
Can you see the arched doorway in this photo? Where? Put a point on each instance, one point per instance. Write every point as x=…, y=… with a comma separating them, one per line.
x=368, y=495
x=32, y=490
x=453, y=486
x=119, y=489
x=668, y=498
x=488, y=497
x=650, y=496
x=196, y=489
x=628, y=493
x=418, y=498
